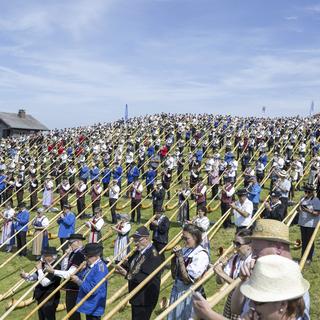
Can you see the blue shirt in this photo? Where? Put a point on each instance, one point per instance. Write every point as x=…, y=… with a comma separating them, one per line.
x=264, y=159
x=2, y=182
x=106, y=176
x=150, y=151
x=150, y=176
x=66, y=225
x=84, y=172
x=254, y=193
x=228, y=157
x=94, y=173
x=90, y=276
x=117, y=173
x=199, y=155
x=132, y=174
x=22, y=221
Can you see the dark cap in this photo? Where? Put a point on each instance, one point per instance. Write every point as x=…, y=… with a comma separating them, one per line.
x=76, y=236
x=92, y=249
x=141, y=232
x=49, y=251
x=276, y=194
x=242, y=192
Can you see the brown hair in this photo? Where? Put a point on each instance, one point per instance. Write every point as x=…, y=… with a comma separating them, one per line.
x=295, y=307
x=195, y=232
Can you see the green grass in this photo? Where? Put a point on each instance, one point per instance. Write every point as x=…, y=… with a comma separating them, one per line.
x=9, y=275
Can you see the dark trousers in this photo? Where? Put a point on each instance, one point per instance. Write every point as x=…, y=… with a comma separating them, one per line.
x=33, y=200
x=64, y=243
x=214, y=190
x=81, y=205
x=88, y=317
x=224, y=208
x=96, y=204
x=150, y=188
x=21, y=241
x=48, y=310
x=255, y=207
x=112, y=204
x=136, y=207
x=159, y=246
x=20, y=196
x=141, y=312
x=284, y=201
x=306, y=234
x=71, y=301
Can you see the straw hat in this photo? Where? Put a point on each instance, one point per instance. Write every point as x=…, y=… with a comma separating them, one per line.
x=272, y=230
x=275, y=278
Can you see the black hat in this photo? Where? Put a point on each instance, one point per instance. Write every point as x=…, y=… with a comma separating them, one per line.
x=276, y=194
x=49, y=251
x=141, y=232
x=76, y=236
x=92, y=249
x=308, y=187
x=242, y=192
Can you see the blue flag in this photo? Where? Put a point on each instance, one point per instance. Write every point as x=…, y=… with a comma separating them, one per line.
x=126, y=113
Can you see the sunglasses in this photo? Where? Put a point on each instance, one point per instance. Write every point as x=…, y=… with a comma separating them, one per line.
x=238, y=244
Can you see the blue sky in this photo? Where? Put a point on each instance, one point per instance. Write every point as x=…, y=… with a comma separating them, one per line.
x=77, y=62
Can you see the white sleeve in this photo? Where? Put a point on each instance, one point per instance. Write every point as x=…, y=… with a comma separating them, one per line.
x=126, y=228
x=98, y=226
x=140, y=189
x=45, y=222
x=45, y=281
x=231, y=192
x=198, y=265
x=65, y=274
x=203, y=190
x=99, y=190
x=248, y=207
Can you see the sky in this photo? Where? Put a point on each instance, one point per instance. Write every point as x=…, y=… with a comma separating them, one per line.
x=77, y=62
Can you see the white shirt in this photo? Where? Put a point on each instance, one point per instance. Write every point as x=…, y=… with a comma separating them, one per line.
x=239, y=220
x=114, y=192
x=199, y=263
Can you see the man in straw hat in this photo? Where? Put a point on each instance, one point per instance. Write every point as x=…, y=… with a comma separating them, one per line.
x=94, y=271
x=69, y=265
x=269, y=237
x=141, y=264
x=46, y=285
x=275, y=289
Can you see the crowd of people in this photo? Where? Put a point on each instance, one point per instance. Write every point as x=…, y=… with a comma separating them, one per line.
x=170, y=161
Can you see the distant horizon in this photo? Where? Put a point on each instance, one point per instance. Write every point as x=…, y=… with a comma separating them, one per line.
x=78, y=62
x=39, y=117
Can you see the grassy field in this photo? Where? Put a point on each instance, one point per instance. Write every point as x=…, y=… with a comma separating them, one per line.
x=9, y=275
